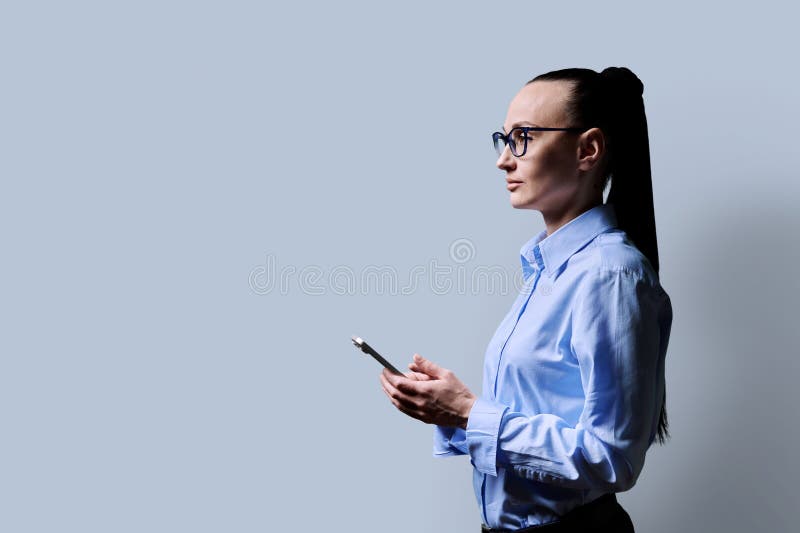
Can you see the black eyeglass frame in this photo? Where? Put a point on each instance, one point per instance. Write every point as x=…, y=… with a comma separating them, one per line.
x=500, y=136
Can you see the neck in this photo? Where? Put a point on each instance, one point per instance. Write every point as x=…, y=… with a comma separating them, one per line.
x=553, y=221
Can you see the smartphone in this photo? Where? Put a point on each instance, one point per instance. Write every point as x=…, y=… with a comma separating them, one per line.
x=366, y=348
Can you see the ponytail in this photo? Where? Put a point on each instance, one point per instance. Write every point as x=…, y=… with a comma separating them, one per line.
x=631, y=191
x=612, y=101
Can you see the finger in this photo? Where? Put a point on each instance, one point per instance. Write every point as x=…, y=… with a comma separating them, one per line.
x=408, y=408
x=386, y=391
x=390, y=389
x=401, y=383
x=414, y=367
x=419, y=371
x=391, y=377
x=399, y=401
x=428, y=367
x=397, y=396
x=415, y=376
x=404, y=403
x=419, y=376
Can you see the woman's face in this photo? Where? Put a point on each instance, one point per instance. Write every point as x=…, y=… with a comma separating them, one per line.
x=547, y=177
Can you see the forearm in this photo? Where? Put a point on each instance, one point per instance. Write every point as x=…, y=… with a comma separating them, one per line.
x=547, y=449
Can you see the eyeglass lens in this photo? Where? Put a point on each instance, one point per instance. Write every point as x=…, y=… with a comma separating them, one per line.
x=516, y=140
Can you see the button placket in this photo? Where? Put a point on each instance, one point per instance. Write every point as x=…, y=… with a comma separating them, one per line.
x=537, y=274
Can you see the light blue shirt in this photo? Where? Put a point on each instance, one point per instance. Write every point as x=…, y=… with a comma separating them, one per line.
x=573, y=378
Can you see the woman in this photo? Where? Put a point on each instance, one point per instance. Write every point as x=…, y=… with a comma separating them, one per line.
x=573, y=386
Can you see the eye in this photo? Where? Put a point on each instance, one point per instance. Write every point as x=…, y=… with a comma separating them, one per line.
x=518, y=136
x=521, y=135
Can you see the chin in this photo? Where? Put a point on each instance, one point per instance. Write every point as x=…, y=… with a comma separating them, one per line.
x=521, y=203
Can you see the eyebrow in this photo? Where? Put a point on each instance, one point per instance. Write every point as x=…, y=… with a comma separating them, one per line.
x=523, y=123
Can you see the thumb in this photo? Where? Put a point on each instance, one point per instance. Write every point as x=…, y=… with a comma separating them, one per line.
x=428, y=367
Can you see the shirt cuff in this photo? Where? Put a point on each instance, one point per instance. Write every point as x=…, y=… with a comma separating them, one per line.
x=448, y=441
x=483, y=428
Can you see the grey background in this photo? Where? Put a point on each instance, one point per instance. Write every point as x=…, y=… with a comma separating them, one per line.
x=156, y=154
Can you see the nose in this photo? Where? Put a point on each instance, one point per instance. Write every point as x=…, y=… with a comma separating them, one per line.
x=506, y=161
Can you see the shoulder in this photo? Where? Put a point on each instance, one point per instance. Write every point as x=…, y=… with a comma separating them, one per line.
x=613, y=253
x=611, y=263
x=612, y=273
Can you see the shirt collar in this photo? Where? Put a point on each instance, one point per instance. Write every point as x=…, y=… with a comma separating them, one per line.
x=550, y=252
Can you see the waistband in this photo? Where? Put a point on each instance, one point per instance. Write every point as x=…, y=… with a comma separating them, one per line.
x=598, y=510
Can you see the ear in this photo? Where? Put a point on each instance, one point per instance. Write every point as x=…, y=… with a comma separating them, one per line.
x=591, y=149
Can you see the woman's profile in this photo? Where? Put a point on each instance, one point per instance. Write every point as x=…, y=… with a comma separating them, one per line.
x=573, y=378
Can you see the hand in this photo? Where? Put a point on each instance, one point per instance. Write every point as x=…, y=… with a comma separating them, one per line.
x=429, y=393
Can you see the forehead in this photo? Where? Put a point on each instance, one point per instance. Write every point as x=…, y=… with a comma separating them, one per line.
x=542, y=103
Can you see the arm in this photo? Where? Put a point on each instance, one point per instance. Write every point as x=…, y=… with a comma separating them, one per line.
x=617, y=330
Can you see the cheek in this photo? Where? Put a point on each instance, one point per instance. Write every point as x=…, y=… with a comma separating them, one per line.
x=554, y=157
x=543, y=164
x=554, y=160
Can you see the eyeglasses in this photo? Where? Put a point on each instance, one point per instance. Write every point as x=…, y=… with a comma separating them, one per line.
x=517, y=138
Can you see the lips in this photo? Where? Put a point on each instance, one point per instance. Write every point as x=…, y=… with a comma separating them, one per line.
x=513, y=184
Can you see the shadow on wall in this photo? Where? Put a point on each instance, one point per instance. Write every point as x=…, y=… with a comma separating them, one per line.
x=741, y=461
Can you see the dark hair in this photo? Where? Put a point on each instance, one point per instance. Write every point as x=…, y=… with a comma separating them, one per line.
x=612, y=101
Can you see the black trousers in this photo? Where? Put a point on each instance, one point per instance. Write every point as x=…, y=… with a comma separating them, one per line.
x=603, y=515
